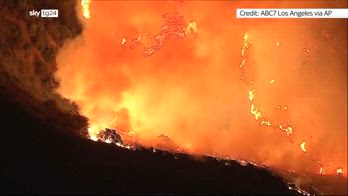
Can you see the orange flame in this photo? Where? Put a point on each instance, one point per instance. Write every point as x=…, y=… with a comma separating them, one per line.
x=124, y=41
x=339, y=171
x=191, y=28
x=85, y=8
x=162, y=73
x=303, y=146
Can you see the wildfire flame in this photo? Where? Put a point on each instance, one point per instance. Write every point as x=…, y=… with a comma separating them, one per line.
x=245, y=46
x=266, y=122
x=124, y=41
x=85, y=8
x=253, y=110
x=191, y=28
x=204, y=82
x=93, y=133
x=288, y=129
x=339, y=171
x=173, y=27
x=303, y=146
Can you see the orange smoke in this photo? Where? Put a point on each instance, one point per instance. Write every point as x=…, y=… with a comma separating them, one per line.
x=172, y=69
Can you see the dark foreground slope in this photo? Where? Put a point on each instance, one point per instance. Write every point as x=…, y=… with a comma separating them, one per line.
x=38, y=157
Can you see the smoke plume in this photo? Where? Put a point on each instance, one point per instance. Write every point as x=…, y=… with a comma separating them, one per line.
x=190, y=91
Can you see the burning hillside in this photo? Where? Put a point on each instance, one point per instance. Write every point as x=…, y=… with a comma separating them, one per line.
x=212, y=83
x=182, y=87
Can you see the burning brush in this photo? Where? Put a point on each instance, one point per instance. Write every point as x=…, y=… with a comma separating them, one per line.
x=110, y=136
x=159, y=93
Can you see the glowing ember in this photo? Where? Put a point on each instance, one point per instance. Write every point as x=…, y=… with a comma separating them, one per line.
x=339, y=171
x=246, y=44
x=85, y=8
x=245, y=47
x=321, y=170
x=277, y=43
x=191, y=28
x=253, y=110
x=265, y=122
x=303, y=146
x=272, y=81
x=251, y=95
x=124, y=40
x=288, y=130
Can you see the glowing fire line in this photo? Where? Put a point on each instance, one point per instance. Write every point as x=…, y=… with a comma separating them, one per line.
x=191, y=28
x=288, y=128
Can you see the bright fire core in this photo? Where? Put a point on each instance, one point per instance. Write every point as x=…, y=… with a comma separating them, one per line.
x=269, y=91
